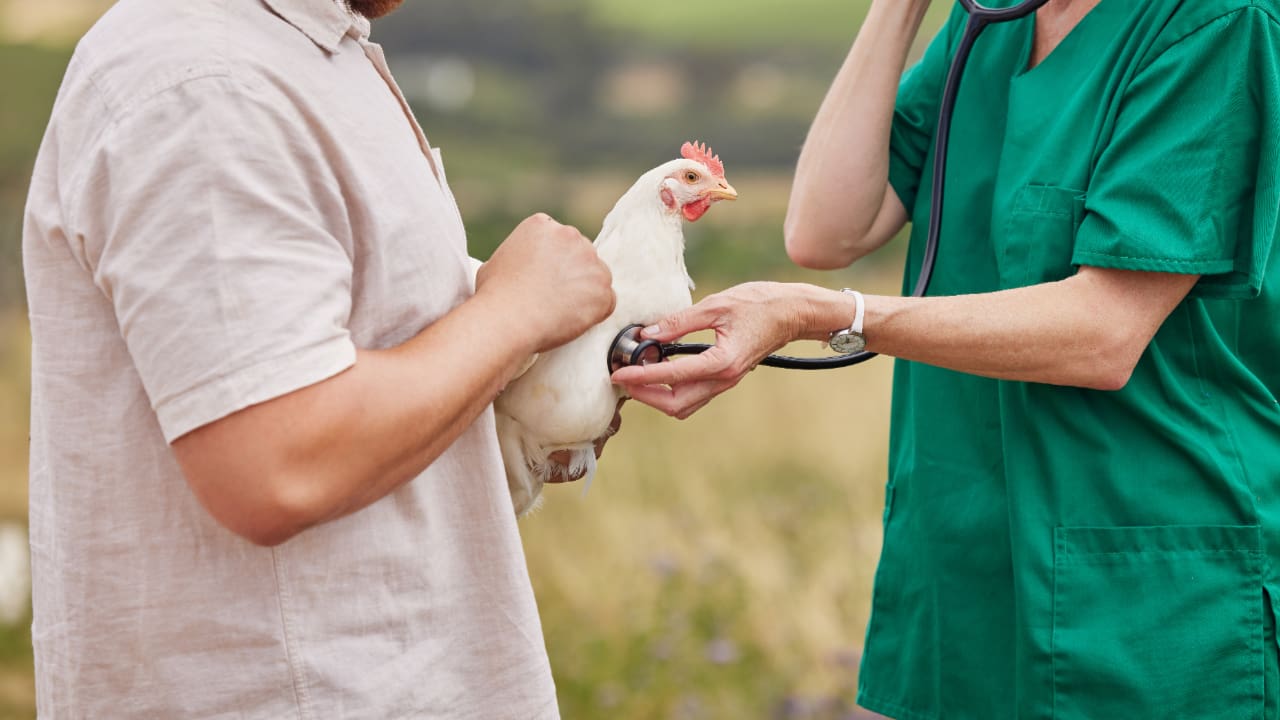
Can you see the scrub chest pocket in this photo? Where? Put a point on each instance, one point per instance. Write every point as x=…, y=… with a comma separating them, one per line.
x=1039, y=235
x=1159, y=622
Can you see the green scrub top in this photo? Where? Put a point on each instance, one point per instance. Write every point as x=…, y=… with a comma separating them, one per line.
x=1057, y=552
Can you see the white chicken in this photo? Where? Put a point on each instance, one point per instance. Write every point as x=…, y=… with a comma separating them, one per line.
x=565, y=400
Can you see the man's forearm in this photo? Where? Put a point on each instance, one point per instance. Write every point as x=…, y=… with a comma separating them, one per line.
x=842, y=179
x=332, y=448
x=1088, y=330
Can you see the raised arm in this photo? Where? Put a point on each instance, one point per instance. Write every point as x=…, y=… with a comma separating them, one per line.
x=842, y=206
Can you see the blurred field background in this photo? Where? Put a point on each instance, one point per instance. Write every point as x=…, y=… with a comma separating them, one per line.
x=717, y=568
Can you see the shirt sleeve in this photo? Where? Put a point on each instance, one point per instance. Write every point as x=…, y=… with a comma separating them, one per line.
x=915, y=115
x=213, y=223
x=1187, y=182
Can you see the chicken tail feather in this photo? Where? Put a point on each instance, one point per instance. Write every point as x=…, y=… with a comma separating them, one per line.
x=523, y=478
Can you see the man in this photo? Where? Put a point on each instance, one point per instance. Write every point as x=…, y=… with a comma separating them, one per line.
x=264, y=477
x=1084, y=497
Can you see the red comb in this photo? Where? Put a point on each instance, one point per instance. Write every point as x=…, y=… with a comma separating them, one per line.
x=703, y=154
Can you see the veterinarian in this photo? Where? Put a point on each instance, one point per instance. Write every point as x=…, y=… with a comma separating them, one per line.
x=1083, y=509
x=265, y=481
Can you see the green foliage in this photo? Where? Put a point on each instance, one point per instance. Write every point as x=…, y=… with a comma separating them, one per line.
x=32, y=75
x=17, y=699
x=15, y=645
x=753, y=24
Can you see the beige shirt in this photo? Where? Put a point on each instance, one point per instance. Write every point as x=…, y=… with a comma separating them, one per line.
x=231, y=198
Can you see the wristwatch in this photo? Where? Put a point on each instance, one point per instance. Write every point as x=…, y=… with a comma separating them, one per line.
x=851, y=340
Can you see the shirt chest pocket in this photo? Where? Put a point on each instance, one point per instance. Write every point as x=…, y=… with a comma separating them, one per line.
x=1035, y=243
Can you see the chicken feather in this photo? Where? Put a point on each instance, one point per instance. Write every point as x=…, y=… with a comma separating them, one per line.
x=565, y=400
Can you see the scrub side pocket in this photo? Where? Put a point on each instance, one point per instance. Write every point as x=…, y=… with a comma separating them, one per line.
x=1039, y=235
x=1158, y=622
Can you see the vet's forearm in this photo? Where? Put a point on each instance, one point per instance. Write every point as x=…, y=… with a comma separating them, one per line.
x=1089, y=330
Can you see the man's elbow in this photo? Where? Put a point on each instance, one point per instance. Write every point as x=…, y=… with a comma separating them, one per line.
x=266, y=537
x=265, y=508
x=277, y=520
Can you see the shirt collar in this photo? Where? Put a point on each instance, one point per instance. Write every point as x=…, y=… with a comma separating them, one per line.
x=326, y=22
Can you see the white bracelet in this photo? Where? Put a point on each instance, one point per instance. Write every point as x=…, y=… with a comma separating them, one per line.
x=852, y=340
x=859, y=309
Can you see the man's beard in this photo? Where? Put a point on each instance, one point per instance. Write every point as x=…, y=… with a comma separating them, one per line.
x=374, y=9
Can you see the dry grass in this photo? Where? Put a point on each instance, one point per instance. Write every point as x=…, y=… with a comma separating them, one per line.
x=761, y=513
x=17, y=687
x=55, y=23
x=15, y=394
x=753, y=526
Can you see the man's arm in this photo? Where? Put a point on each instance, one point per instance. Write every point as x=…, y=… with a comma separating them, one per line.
x=1088, y=331
x=842, y=206
x=272, y=470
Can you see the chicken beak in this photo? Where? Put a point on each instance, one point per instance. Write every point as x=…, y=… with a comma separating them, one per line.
x=724, y=192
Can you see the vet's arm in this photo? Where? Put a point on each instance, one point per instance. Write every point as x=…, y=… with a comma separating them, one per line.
x=1088, y=331
x=842, y=206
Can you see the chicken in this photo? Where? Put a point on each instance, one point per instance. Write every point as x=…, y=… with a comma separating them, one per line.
x=565, y=400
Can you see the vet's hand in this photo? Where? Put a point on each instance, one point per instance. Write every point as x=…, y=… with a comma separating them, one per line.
x=560, y=460
x=750, y=322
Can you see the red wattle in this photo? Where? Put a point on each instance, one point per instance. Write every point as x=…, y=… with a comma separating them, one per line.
x=696, y=209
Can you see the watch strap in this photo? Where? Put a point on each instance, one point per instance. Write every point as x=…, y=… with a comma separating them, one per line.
x=859, y=310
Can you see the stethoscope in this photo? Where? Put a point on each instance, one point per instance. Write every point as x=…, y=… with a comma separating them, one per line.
x=629, y=349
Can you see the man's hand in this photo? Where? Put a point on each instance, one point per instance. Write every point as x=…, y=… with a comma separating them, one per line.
x=278, y=467
x=551, y=281
x=560, y=460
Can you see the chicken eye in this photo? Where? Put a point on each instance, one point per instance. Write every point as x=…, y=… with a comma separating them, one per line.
x=691, y=177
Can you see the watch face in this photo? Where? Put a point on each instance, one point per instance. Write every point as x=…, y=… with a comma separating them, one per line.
x=848, y=342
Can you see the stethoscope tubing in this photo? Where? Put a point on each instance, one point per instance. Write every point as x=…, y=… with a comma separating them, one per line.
x=980, y=18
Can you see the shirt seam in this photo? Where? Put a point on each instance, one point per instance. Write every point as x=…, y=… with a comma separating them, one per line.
x=1226, y=421
x=869, y=701
x=1209, y=265
x=228, y=374
x=335, y=351
x=300, y=696
x=118, y=117
x=1223, y=16
x=162, y=85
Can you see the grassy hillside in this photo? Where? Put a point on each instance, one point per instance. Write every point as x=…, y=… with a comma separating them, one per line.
x=31, y=74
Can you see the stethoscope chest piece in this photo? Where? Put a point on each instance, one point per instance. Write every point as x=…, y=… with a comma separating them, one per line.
x=628, y=349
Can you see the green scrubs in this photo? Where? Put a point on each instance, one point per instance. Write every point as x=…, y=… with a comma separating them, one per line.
x=1057, y=552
